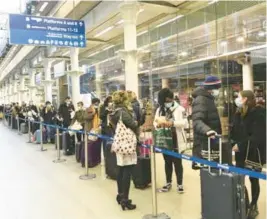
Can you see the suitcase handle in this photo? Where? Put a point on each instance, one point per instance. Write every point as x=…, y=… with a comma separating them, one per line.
x=220, y=152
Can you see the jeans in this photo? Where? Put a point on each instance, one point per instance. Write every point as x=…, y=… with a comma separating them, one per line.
x=124, y=180
x=50, y=133
x=178, y=167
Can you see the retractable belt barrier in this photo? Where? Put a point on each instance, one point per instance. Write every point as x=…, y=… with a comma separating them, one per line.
x=213, y=164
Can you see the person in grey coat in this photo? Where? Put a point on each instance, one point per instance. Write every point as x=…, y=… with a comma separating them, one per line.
x=126, y=162
x=206, y=120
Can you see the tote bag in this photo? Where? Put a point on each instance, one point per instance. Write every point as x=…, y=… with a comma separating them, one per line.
x=250, y=162
x=163, y=138
x=124, y=141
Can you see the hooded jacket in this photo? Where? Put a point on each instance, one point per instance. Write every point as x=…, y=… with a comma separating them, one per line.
x=205, y=117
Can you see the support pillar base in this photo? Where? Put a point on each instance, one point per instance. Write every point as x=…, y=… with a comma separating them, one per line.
x=87, y=176
x=159, y=216
x=59, y=160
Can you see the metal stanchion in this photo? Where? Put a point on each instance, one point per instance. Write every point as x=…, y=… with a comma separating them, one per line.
x=155, y=214
x=58, y=160
x=11, y=117
x=18, y=126
x=29, y=131
x=87, y=175
x=41, y=130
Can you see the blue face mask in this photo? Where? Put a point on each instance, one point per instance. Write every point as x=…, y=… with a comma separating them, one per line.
x=238, y=102
x=168, y=105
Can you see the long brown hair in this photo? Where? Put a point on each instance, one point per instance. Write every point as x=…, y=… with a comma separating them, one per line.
x=250, y=103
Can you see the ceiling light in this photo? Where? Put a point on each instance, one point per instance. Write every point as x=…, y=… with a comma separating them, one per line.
x=261, y=34
x=66, y=53
x=212, y=2
x=44, y=5
x=240, y=39
x=223, y=43
x=119, y=22
x=171, y=20
x=141, y=33
x=141, y=65
x=104, y=31
x=38, y=14
x=141, y=10
x=109, y=47
x=184, y=54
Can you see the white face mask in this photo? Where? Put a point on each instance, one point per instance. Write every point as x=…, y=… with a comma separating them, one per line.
x=238, y=102
x=168, y=105
x=215, y=93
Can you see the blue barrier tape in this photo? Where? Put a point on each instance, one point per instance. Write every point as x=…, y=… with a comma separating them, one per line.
x=213, y=164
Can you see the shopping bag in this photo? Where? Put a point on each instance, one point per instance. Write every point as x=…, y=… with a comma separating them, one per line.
x=95, y=130
x=253, y=158
x=163, y=138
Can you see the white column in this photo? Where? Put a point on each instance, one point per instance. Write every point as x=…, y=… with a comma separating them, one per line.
x=10, y=92
x=15, y=91
x=48, y=82
x=248, y=76
x=98, y=81
x=75, y=76
x=22, y=89
x=129, y=11
x=32, y=87
x=165, y=83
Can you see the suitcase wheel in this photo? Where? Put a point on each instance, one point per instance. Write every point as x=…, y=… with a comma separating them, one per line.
x=142, y=187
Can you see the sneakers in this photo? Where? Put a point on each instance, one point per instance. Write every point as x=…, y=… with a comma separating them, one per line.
x=253, y=212
x=180, y=189
x=166, y=188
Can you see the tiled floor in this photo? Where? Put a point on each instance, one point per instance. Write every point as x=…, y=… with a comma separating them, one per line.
x=33, y=187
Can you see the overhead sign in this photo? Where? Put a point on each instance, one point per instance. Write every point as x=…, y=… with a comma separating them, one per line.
x=46, y=31
x=59, y=69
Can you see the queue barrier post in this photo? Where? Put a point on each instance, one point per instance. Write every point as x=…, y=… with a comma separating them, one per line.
x=87, y=175
x=155, y=214
x=29, y=131
x=18, y=125
x=58, y=160
x=41, y=138
x=11, y=122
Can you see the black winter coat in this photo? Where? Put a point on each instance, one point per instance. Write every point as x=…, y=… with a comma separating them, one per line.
x=64, y=112
x=139, y=115
x=205, y=117
x=250, y=128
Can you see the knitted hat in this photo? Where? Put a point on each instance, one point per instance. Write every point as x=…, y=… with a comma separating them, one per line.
x=212, y=82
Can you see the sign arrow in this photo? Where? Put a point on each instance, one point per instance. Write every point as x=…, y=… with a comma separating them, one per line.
x=81, y=23
x=81, y=43
x=81, y=36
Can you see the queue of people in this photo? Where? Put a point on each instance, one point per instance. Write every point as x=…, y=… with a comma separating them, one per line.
x=121, y=117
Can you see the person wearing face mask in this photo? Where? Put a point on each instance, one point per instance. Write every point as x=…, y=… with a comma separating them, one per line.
x=90, y=113
x=170, y=115
x=248, y=134
x=79, y=117
x=48, y=116
x=65, y=110
x=205, y=117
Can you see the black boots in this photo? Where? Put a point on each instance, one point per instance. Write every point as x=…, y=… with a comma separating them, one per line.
x=253, y=212
x=127, y=205
x=119, y=198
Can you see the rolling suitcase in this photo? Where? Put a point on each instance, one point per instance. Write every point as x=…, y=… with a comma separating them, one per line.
x=94, y=153
x=111, y=168
x=68, y=143
x=223, y=195
x=60, y=141
x=37, y=136
x=78, y=151
x=142, y=173
x=14, y=123
x=23, y=128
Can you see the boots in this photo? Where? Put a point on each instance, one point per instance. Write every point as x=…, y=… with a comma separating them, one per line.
x=126, y=204
x=119, y=198
x=253, y=212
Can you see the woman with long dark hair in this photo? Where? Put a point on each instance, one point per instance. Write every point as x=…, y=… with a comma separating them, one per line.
x=170, y=115
x=249, y=136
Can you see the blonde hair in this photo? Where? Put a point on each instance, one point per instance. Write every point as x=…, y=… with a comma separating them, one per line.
x=121, y=98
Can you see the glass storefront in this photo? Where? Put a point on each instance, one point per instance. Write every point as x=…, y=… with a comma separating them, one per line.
x=179, y=51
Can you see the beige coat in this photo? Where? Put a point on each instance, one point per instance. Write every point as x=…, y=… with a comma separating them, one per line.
x=88, y=118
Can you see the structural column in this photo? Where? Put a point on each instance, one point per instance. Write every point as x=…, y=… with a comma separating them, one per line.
x=129, y=11
x=33, y=87
x=248, y=78
x=98, y=81
x=48, y=82
x=10, y=92
x=15, y=91
x=22, y=89
x=165, y=83
x=75, y=76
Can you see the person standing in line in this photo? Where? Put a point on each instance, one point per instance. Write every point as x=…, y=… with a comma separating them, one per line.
x=205, y=117
x=48, y=116
x=79, y=117
x=90, y=114
x=170, y=115
x=248, y=134
x=65, y=110
x=125, y=163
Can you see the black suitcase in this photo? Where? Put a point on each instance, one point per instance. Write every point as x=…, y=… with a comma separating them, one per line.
x=223, y=195
x=78, y=151
x=14, y=123
x=60, y=141
x=68, y=143
x=142, y=173
x=110, y=163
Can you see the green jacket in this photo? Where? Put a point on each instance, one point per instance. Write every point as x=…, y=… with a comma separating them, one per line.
x=79, y=117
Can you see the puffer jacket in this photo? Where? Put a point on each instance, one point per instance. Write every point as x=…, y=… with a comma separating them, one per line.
x=205, y=117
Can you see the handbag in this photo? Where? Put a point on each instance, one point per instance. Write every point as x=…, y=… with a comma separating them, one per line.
x=95, y=130
x=253, y=164
x=124, y=141
x=163, y=138
x=76, y=126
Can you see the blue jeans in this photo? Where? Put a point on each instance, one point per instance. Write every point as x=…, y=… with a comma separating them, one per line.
x=50, y=133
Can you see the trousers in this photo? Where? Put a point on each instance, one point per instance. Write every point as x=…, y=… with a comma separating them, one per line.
x=178, y=168
x=124, y=180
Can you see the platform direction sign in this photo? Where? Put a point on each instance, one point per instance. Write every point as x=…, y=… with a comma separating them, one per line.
x=46, y=31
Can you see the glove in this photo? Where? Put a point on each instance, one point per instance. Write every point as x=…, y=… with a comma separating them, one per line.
x=211, y=134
